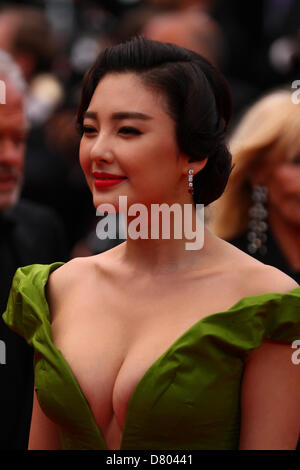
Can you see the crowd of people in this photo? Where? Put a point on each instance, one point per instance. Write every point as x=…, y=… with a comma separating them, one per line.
x=47, y=214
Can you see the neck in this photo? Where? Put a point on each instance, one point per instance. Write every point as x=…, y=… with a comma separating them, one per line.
x=287, y=236
x=172, y=254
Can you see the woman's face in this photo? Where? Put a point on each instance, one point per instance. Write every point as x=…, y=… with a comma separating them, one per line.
x=284, y=191
x=128, y=133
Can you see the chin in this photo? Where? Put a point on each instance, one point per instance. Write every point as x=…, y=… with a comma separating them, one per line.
x=7, y=201
x=125, y=204
x=109, y=201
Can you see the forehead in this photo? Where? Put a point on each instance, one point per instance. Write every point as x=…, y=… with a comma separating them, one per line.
x=126, y=91
x=12, y=113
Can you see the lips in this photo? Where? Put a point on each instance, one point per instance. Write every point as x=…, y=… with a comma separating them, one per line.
x=103, y=174
x=7, y=182
x=7, y=178
x=105, y=180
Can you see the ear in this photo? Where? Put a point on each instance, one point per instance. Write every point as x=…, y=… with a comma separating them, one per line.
x=260, y=169
x=196, y=166
x=258, y=174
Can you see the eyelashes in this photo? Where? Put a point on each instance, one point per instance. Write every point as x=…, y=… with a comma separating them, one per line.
x=87, y=130
x=124, y=130
x=130, y=130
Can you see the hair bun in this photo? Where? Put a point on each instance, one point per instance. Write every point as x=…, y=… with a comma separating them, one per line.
x=210, y=183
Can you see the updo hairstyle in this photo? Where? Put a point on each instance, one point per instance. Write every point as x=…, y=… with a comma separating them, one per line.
x=198, y=98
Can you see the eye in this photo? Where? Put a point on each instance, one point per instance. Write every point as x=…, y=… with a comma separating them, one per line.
x=88, y=130
x=129, y=130
x=296, y=160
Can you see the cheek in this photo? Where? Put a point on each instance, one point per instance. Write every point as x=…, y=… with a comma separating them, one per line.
x=159, y=156
x=136, y=159
x=83, y=156
x=20, y=156
x=149, y=168
x=285, y=182
x=284, y=192
x=276, y=190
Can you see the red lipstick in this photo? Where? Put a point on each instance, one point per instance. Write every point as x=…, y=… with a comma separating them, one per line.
x=105, y=180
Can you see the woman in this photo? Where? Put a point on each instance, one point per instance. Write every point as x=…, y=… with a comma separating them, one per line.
x=260, y=210
x=144, y=346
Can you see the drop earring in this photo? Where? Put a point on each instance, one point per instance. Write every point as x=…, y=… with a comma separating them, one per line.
x=258, y=225
x=190, y=181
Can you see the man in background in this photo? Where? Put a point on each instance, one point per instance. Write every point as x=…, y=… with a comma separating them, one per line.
x=29, y=234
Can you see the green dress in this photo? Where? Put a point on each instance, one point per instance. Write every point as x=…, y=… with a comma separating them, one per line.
x=190, y=396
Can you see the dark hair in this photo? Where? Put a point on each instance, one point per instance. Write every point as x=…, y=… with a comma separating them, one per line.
x=198, y=100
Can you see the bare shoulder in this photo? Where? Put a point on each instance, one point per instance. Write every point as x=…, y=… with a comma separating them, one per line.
x=63, y=280
x=77, y=271
x=254, y=277
x=68, y=273
x=267, y=279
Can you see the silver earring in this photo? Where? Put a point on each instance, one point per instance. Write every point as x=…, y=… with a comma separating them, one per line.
x=258, y=225
x=190, y=181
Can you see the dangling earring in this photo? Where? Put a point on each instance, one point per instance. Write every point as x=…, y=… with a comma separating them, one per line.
x=190, y=181
x=258, y=226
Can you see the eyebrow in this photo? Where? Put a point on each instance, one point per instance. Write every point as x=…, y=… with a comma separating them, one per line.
x=120, y=115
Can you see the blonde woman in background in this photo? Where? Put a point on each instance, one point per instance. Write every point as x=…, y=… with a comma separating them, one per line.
x=259, y=211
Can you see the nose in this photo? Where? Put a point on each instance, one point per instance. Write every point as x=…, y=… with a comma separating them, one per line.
x=9, y=153
x=101, y=150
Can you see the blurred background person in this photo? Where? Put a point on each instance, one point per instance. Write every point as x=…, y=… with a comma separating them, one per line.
x=29, y=233
x=259, y=211
x=192, y=28
x=192, y=25
x=196, y=29
x=52, y=176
